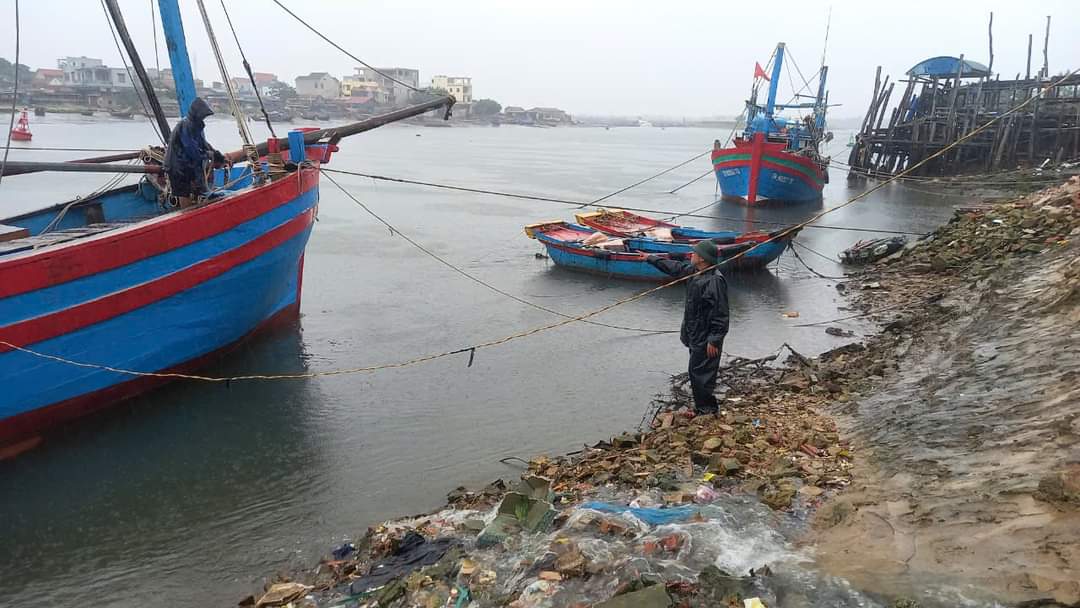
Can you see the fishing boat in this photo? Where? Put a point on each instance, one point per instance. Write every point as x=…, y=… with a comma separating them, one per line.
x=21, y=131
x=124, y=114
x=650, y=235
x=103, y=296
x=776, y=158
x=583, y=249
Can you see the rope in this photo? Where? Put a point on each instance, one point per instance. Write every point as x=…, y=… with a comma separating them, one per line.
x=51, y=149
x=247, y=68
x=812, y=271
x=647, y=179
x=347, y=53
x=134, y=84
x=153, y=28
x=14, y=95
x=241, y=124
x=543, y=328
x=562, y=201
x=734, y=128
x=477, y=280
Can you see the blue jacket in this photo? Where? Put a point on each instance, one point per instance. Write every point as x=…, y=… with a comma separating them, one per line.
x=188, y=148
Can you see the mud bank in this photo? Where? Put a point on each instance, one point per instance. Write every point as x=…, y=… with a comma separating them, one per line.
x=970, y=442
x=934, y=460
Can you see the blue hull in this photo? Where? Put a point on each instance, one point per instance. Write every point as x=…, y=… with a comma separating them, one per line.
x=758, y=257
x=773, y=185
x=158, y=312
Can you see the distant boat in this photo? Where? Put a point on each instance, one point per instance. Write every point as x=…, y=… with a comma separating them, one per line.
x=21, y=132
x=125, y=114
x=643, y=123
x=86, y=112
x=776, y=159
x=39, y=111
x=656, y=236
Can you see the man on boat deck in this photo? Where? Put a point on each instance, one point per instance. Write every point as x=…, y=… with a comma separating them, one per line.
x=187, y=153
x=705, y=319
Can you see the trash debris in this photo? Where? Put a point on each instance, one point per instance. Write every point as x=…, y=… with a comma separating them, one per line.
x=343, y=551
x=281, y=594
x=792, y=314
x=868, y=251
x=840, y=333
x=516, y=512
x=654, y=596
x=413, y=552
x=753, y=603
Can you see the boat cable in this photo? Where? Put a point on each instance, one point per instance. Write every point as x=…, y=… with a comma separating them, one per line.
x=127, y=68
x=727, y=141
x=471, y=350
x=52, y=149
x=820, y=275
x=561, y=201
x=817, y=253
x=153, y=28
x=14, y=95
x=247, y=68
x=234, y=104
x=477, y=280
x=647, y=179
x=347, y=53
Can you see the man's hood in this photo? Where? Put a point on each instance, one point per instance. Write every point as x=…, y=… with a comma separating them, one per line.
x=199, y=109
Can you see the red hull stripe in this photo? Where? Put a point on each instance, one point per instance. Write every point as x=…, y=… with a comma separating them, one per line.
x=125, y=246
x=777, y=167
x=72, y=319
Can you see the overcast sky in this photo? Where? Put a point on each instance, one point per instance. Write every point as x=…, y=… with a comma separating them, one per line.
x=670, y=58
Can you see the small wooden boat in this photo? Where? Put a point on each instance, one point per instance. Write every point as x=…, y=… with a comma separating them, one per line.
x=125, y=114
x=866, y=252
x=581, y=248
x=657, y=236
x=21, y=132
x=39, y=111
x=86, y=112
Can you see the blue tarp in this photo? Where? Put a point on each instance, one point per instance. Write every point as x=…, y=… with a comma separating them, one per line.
x=653, y=517
x=945, y=67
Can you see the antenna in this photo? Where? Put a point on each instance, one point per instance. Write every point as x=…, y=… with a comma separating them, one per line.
x=828, y=25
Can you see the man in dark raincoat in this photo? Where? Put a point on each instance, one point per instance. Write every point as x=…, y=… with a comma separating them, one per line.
x=187, y=153
x=705, y=319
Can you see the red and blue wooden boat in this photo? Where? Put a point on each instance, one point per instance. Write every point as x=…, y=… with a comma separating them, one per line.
x=578, y=248
x=649, y=235
x=775, y=158
x=117, y=282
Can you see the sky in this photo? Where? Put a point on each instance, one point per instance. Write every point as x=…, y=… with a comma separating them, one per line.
x=655, y=59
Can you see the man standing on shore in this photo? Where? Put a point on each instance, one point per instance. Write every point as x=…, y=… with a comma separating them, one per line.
x=705, y=319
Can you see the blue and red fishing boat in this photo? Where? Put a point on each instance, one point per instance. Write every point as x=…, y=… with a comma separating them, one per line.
x=101, y=298
x=776, y=158
x=645, y=234
x=583, y=249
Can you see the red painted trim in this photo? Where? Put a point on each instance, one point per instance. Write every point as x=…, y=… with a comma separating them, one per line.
x=84, y=257
x=788, y=171
x=27, y=425
x=756, y=150
x=72, y=319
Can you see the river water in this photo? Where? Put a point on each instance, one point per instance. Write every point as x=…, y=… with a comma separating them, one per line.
x=190, y=495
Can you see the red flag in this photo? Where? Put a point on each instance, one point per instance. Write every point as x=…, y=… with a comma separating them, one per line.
x=759, y=72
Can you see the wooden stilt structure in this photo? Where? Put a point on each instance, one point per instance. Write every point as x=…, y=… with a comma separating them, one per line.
x=945, y=97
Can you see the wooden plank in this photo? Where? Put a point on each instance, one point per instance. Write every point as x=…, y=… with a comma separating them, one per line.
x=10, y=233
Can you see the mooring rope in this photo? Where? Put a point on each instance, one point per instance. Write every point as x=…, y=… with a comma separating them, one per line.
x=543, y=328
x=477, y=280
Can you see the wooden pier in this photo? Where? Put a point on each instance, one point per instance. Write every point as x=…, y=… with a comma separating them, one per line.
x=944, y=98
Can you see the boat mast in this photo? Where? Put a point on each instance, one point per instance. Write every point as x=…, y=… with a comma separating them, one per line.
x=820, y=104
x=774, y=82
x=173, y=26
x=137, y=65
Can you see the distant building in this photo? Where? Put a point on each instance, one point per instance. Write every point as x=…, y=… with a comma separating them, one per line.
x=458, y=86
x=548, y=115
x=397, y=94
x=361, y=89
x=242, y=86
x=318, y=84
x=85, y=72
x=47, y=78
x=264, y=80
x=120, y=79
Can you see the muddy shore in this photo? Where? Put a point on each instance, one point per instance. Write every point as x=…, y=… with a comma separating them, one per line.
x=935, y=463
